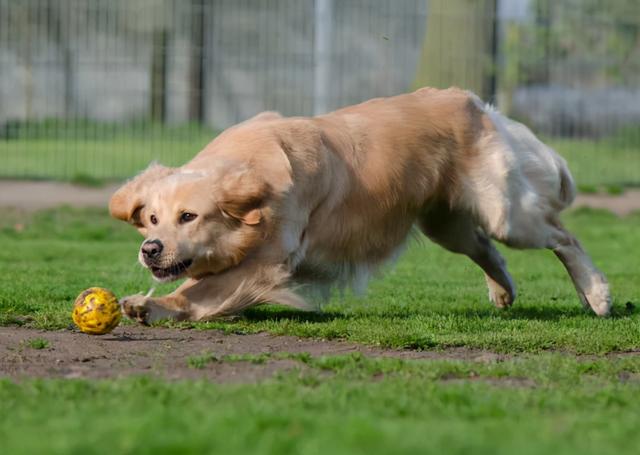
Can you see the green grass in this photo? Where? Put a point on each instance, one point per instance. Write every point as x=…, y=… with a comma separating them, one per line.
x=430, y=299
x=200, y=361
x=89, y=153
x=347, y=404
x=606, y=164
x=538, y=401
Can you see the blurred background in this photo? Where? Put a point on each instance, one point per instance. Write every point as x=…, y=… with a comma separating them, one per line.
x=93, y=90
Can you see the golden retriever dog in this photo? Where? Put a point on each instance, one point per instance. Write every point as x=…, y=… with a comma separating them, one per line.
x=275, y=203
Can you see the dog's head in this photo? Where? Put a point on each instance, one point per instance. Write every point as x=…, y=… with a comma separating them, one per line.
x=195, y=223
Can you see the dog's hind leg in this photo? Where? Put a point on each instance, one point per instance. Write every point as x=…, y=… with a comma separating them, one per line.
x=501, y=287
x=457, y=232
x=590, y=283
x=546, y=231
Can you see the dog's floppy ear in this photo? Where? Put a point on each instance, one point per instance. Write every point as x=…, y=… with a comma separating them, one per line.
x=126, y=203
x=243, y=196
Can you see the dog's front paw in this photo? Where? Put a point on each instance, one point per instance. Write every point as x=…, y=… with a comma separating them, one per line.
x=147, y=310
x=136, y=307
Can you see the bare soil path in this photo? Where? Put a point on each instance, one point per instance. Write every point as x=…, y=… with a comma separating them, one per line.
x=165, y=353
x=36, y=195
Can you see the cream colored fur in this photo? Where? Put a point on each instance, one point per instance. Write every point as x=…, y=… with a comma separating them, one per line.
x=328, y=200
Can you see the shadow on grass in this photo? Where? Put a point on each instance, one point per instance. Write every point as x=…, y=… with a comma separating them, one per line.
x=515, y=313
x=277, y=314
x=273, y=313
x=530, y=313
x=552, y=313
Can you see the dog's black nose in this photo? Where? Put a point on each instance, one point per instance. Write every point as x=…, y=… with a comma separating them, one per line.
x=151, y=249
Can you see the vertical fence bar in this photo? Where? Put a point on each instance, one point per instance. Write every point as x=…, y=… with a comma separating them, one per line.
x=322, y=55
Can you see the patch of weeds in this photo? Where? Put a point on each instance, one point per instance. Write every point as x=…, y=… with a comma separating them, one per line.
x=14, y=319
x=303, y=357
x=257, y=359
x=587, y=189
x=615, y=190
x=38, y=343
x=200, y=361
x=82, y=179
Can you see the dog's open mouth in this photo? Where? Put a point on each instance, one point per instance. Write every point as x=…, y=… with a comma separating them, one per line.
x=173, y=271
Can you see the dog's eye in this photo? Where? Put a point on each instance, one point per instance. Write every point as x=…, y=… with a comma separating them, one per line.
x=186, y=217
x=153, y=219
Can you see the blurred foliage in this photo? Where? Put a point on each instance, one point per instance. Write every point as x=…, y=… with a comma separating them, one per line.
x=590, y=43
x=458, y=46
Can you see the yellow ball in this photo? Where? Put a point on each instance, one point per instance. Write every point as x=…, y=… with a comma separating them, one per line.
x=96, y=311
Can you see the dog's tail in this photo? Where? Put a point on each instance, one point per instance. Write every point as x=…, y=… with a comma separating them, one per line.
x=509, y=129
x=567, y=184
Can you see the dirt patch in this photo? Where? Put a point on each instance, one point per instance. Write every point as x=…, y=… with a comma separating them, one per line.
x=627, y=377
x=32, y=196
x=37, y=195
x=166, y=353
x=621, y=205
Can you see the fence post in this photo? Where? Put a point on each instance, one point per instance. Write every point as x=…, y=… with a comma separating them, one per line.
x=160, y=39
x=197, y=62
x=322, y=55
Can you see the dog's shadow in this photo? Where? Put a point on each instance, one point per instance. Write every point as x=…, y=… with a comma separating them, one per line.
x=273, y=313
x=546, y=312
x=515, y=313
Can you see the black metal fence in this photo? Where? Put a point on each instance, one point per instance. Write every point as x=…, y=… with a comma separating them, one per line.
x=95, y=89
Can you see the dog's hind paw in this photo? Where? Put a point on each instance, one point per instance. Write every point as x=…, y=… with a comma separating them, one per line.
x=499, y=296
x=597, y=297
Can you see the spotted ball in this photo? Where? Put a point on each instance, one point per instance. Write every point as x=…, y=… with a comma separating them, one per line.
x=96, y=311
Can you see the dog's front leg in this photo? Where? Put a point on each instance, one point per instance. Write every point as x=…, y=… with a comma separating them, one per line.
x=217, y=296
x=227, y=294
x=147, y=310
